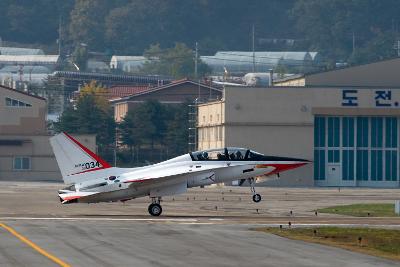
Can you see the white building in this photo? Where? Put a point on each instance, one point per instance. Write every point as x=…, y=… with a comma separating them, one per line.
x=127, y=63
x=241, y=62
x=15, y=51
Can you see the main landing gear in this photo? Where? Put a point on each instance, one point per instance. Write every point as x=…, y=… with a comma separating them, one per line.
x=256, y=197
x=155, y=208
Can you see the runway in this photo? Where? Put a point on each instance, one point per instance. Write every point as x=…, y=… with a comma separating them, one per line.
x=119, y=243
x=191, y=232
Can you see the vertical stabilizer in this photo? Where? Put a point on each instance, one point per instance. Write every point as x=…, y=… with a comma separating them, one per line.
x=74, y=159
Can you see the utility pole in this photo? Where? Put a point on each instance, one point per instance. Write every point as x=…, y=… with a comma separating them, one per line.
x=354, y=42
x=59, y=35
x=254, y=53
x=195, y=62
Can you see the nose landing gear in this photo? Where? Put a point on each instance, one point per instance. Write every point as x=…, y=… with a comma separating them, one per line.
x=155, y=208
x=256, y=197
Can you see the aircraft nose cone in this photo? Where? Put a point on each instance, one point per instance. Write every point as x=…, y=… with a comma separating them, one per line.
x=274, y=158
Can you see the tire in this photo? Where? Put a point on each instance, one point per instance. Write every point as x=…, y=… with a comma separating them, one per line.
x=155, y=209
x=257, y=198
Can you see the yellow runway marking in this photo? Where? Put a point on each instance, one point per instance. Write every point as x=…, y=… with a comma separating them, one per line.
x=34, y=246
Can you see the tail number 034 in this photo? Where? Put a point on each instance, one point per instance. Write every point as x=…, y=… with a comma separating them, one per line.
x=88, y=165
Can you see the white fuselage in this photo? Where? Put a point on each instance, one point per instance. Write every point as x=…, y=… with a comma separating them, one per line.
x=128, y=183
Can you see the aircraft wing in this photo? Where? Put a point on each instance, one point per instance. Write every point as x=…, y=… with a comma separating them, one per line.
x=68, y=196
x=168, y=174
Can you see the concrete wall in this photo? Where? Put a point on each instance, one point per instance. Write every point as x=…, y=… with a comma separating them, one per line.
x=211, y=132
x=22, y=120
x=273, y=121
x=120, y=110
x=43, y=164
x=291, y=82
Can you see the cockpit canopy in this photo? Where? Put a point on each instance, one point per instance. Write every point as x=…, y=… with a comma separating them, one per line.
x=228, y=153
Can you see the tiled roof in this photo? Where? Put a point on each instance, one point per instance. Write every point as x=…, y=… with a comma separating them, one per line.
x=122, y=91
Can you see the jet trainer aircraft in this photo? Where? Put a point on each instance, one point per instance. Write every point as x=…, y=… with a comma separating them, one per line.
x=93, y=180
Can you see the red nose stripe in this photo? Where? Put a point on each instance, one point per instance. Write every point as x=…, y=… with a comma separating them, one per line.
x=71, y=197
x=280, y=167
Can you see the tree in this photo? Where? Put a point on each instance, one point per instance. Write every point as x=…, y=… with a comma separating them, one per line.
x=98, y=92
x=331, y=26
x=80, y=57
x=378, y=48
x=178, y=62
x=129, y=133
x=87, y=22
x=90, y=117
x=155, y=125
x=178, y=130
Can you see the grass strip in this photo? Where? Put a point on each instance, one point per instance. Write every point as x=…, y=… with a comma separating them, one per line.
x=377, y=242
x=362, y=210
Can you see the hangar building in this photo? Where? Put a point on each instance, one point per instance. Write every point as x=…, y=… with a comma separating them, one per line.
x=347, y=121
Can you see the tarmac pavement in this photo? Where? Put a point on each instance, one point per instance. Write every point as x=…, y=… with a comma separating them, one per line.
x=205, y=227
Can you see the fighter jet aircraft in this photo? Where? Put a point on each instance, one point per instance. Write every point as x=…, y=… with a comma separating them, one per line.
x=93, y=180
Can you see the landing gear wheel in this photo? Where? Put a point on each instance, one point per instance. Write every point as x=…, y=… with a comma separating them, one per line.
x=257, y=198
x=155, y=209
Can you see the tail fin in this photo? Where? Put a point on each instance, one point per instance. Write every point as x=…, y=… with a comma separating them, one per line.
x=73, y=158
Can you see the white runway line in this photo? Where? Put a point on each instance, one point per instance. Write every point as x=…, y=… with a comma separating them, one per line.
x=96, y=219
x=198, y=221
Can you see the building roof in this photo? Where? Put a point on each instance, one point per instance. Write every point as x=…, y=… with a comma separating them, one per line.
x=15, y=51
x=267, y=55
x=88, y=76
x=29, y=59
x=26, y=68
x=162, y=87
x=123, y=91
x=21, y=92
x=381, y=73
x=128, y=58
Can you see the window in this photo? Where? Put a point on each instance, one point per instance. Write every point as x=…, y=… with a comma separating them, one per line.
x=319, y=164
x=376, y=165
x=390, y=166
x=319, y=132
x=319, y=144
x=348, y=131
x=362, y=132
x=362, y=165
x=348, y=165
x=224, y=154
x=333, y=132
x=391, y=132
x=333, y=156
x=210, y=118
x=16, y=103
x=376, y=132
x=22, y=163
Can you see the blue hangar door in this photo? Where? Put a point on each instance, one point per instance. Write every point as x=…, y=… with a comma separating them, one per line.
x=356, y=151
